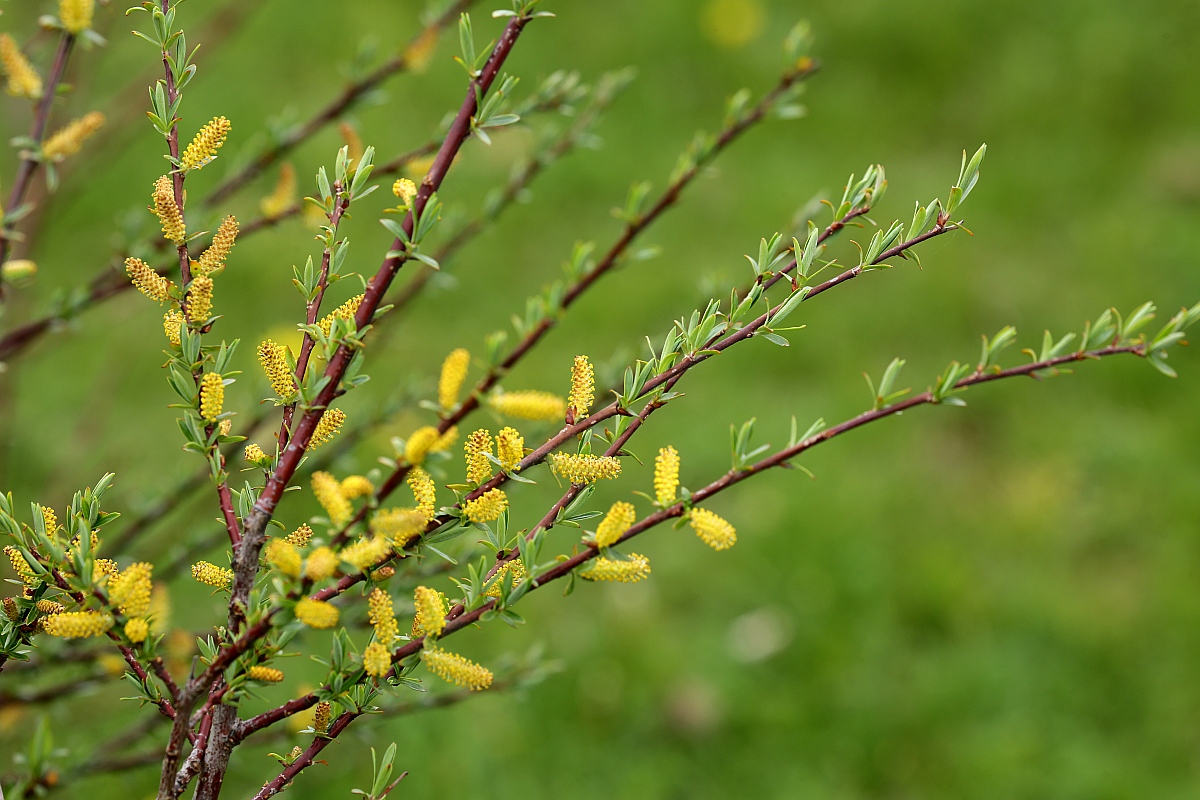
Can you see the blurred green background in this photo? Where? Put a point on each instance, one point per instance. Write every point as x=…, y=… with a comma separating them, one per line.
x=998, y=601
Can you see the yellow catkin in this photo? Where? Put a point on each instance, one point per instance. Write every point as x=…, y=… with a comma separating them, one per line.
x=264, y=674
x=68, y=140
x=510, y=448
x=77, y=624
x=316, y=613
x=346, y=310
x=321, y=716
x=421, y=443
x=327, y=427
x=322, y=563
x=366, y=552
x=211, y=575
x=487, y=507
x=583, y=387
x=147, y=281
x=283, y=196
x=455, y=669
x=204, y=146
x=283, y=556
x=212, y=396
x=50, y=607
x=477, y=449
x=50, y=519
x=618, y=519
x=716, y=532
x=424, y=492
x=105, y=569
x=354, y=145
x=223, y=240
x=377, y=660
x=76, y=15
x=167, y=211
x=637, y=568
x=666, y=475
x=136, y=630
x=328, y=491
x=431, y=611
x=10, y=609
x=172, y=325
x=130, y=590
x=356, y=486
x=454, y=372
x=399, y=525
x=301, y=536
x=514, y=568
x=20, y=565
x=23, y=80
x=586, y=468
x=405, y=189
x=200, y=297
x=255, y=454
x=382, y=615
x=530, y=405
x=273, y=358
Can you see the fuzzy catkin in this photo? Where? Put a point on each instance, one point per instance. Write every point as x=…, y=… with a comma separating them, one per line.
x=487, y=507
x=283, y=556
x=322, y=563
x=399, y=525
x=619, y=518
x=454, y=372
x=586, y=468
x=169, y=215
x=366, y=552
x=172, y=326
x=430, y=610
x=211, y=575
x=514, y=568
x=636, y=568
x=356, y=486
x=477, y=449
x=328, y=491
x=455, y=669
x=583, y=387
x=382, y=616
x=301, y=536
x=264, y=674
x=531, y=405
x=254, y=454
x=273, y=358
x=420, y=443
x=346, y=311
x=424, y=492
x=200, y=300
x=404, y=189
x=377, y=660
x=218, y=250
x=130, y=590
x=147, y=281
x=76, y=15
x=666, y=475
x=23, y=80
x=715, y=531
x=212, y=396
x=204, y=146
x=68, y=140
x=316, y=613
x=327, y=427
x=510, y=448
x=77, y=624
x=136, y=630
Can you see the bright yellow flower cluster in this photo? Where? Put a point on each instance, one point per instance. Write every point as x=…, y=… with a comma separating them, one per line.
x=321, y=716
x=356, y=486
x=530, y=405
x=637, y=568
x=283, y=196
x=200, y=300
x=212, y=396
x=204, y=146
x=328, y=491
x=382, y=615
x=273, y=358
x=346, y=310
x=50, y=519
x=147, y=281
x=172, y=325
x=76, y=15
x=301, y=536
x=255, y=454
x=477, y=448
x=583, y=387
x=418, y=627
x=426, y=440
x=424, y=492
x=514, y=568
x=264, y=674
x=322, y=563
x=586, y=468
x=620, y=516
x=23, y=80
x=398, y=525
x=377, y=660
x=50, y=607
x=19, y=564
x=70, y=138
x=136, y=630
x=223, y=240
x=454, y=372
x=316, y=613
x=666, y=475
x=130, y=590
x=510, y=448
x=77, y=624
x=211, y=575
x=405, y=189
x=327, y=427
x=283, y=556
x=716, y=532
x=455, y=669
x=167, y=211
x=487, y=507
x=366, y=552
x=431, y=612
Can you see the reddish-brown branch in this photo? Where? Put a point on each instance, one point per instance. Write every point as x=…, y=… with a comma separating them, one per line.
x=306, y=758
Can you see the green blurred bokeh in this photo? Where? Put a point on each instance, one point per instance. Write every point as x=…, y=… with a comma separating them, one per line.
x=998, y=601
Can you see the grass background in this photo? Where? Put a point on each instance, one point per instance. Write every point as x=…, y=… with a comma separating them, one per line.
x=997, y=601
